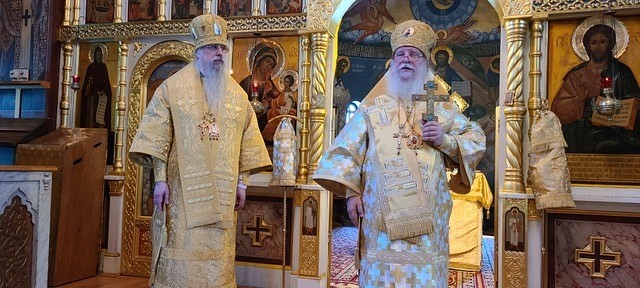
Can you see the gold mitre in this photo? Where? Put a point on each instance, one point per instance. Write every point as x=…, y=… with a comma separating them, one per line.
x=413, y=33
x=209, y=29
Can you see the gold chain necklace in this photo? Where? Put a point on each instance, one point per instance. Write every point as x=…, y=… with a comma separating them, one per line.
x=414, y=141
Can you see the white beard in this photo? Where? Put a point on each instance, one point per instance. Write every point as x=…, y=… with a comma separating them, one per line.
x=403, y=89
x=214, y=81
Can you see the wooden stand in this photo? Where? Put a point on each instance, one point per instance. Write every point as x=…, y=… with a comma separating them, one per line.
x=76, y=202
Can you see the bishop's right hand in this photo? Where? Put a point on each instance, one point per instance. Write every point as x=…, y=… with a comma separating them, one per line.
x=355, y=209
x=160, y=194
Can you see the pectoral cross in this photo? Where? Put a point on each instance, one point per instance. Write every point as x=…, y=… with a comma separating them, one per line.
x=400, y=135
x=431, y=87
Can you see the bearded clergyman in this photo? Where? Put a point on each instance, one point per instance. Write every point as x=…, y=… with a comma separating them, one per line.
x=391, y=161
x=201, y=137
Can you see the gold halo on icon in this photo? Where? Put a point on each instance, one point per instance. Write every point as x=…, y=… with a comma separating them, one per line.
x=345, y=58
x=285, y=73
x=622, y=35
x=105, y=51
x=279, y=53
x=440, y=48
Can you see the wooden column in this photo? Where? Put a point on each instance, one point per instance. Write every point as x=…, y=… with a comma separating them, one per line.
x=319, y=43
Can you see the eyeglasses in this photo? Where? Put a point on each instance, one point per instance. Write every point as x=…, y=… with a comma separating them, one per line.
x=216, y=47
x=411, y=55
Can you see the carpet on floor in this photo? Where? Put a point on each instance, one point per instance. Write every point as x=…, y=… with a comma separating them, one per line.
x=345, y=275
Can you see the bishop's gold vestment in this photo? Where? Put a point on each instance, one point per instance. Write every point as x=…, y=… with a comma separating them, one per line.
x=194, y=241
x=364, y=161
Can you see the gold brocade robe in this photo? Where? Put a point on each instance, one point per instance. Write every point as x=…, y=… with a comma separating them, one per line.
x=194, y=241
x=353, y=165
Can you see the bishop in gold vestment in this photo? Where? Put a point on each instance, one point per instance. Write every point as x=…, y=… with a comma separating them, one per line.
x=202, y=144
x=402, y=180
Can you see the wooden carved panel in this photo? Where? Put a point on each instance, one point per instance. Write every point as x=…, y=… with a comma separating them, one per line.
x=16, y=245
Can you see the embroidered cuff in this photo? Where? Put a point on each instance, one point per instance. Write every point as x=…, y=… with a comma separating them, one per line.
x=449, y=146
x=159, y=170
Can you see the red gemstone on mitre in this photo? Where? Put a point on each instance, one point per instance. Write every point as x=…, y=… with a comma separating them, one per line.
x=606, y=82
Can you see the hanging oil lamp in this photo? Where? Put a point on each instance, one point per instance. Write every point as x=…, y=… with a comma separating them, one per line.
x=608, y=106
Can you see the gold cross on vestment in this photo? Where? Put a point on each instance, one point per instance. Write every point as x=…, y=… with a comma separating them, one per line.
x=431, y=87
x=382, y=108
x=400, y=135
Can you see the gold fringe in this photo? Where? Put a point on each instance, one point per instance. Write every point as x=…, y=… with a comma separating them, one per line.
x=557, y=199
x=406, y=228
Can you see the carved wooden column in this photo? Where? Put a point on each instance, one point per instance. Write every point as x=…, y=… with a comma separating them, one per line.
x=76, y=13
x=514, y=108
x=161, y=8
x=535, y=98
x=305, y=105
x=513, y=203
x=319, y=43
x=67, y=13
x=67, y=52
x=121, y=107
x=117, y=13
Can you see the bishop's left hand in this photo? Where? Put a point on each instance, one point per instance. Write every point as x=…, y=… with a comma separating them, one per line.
x=241, y=196
x=432, y=133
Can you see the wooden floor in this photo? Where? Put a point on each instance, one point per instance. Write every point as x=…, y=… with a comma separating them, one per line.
x=110, y=281
x=114, y=281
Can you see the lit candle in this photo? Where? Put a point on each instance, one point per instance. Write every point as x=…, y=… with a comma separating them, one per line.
x=255, y=87
x=75, y=82
x=606, y=82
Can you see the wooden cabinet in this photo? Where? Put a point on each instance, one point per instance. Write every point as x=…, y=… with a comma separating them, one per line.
x=77, y=195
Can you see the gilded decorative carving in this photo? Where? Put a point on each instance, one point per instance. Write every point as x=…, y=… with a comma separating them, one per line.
x=319, y=13
x=514, y=113
x=516, y=7
x=137, y=47
x=121, y=107
x=305, y=106
x=180, y=27
x=319, y=44
x=297, y=198
x=533, y=213
x=562, y=6
x=145, y=247
x=310, y=244
x=67, y=52
x=597, y=257
x=131, y=263
x=115, y=187
x=309, y=255
x=514, y=274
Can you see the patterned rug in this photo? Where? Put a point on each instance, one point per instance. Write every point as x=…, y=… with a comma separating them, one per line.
x=345, y=275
